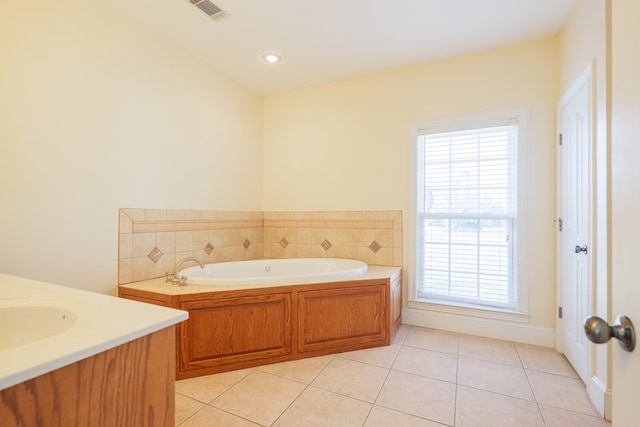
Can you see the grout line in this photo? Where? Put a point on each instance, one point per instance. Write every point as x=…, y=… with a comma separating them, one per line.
x=387, y=376
x=192, y=415
x=401, y=345
x=304, y=389
x=238, y=416
x=455, y=400
x=535, y=398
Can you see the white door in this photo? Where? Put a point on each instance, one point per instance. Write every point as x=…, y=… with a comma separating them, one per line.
x=576, y=215
x=625, y=203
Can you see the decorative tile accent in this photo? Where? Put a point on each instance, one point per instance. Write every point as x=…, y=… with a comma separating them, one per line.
x=284, y=242
x=155, y=254
x=175, y=234
x=375, y=246
x=209, y=248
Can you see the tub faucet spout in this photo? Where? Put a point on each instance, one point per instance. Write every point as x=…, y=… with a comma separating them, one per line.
x=182, y=280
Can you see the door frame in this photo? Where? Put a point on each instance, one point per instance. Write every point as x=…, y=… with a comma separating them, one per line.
x=624, y=107
x=585, y=78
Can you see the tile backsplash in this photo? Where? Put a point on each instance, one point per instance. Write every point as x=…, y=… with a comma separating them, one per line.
x=151, y=241
x=374, y=237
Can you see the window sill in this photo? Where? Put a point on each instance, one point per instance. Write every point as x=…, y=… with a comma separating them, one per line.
x=460, y=309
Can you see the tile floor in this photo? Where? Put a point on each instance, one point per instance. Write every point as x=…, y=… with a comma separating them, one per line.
x=425, y=378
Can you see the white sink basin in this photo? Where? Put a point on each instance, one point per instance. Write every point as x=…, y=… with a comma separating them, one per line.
x=44, y=327
x=27, y=320
x=20, y=325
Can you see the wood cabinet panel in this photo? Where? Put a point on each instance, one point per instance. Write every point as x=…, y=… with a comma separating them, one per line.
x=148, y=297
x=160, y=299
x=236, y=329
x=335, y=318
x=396, y=304
x=129, y=385
x=231, y=330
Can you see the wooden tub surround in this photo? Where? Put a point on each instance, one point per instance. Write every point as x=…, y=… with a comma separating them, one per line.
x=232, y=327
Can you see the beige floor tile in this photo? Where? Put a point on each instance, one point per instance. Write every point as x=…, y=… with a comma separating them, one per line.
x=353, y=379
x=379, y=356
x=479, y=408
x=489, y=349
x=555, y=417
x=259, y=397
x=208, y=387
x=412, y=382
x=427, y=363
x=419, y=396
x=561, y=392
x=186, y=407
x=384, y=417
x=303, y=370
x=317, y=407
x=401, y=334
x=545, y=360
x=213, y=417
x=495, y=377
x=432, y=339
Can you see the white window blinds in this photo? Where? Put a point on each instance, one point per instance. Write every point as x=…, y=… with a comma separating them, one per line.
x=467, y=213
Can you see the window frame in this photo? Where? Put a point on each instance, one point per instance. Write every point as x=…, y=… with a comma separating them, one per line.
x=520, y=313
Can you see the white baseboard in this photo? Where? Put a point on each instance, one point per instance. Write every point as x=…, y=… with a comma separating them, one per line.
x=491, y=328
x=600, y=397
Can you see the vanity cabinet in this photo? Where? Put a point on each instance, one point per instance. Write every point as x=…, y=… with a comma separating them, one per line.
x=129, y=385
x=236, y=329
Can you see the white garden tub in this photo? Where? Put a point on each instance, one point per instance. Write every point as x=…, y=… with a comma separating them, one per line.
x=274, y=271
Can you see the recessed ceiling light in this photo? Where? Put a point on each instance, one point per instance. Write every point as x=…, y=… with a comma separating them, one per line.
x=271, y=58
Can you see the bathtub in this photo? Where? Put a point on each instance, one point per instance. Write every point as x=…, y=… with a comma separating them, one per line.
x=273, y=271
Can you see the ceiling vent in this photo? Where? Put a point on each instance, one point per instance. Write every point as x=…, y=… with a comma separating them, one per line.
x=209, y=8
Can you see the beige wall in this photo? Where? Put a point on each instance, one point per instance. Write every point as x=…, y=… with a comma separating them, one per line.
x=583, y=43
x=346, y=145
x=96, y=114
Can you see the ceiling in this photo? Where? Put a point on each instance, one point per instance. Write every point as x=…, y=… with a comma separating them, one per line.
x=331, y=40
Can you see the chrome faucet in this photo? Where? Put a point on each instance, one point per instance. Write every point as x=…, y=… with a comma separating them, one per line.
x=181, y=280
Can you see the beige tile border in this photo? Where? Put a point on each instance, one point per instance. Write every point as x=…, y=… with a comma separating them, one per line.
x=374, y=237
x=151, y=241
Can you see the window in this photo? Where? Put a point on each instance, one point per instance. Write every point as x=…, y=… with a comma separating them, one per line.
x=468, y=211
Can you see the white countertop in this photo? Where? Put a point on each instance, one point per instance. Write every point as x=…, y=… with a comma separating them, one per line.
x=160, y=286
x=102, y=322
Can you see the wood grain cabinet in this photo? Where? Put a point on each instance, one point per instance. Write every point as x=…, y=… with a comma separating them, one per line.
x=341, y=318
x=396, y=304
x=129, y=385
x=229, y=330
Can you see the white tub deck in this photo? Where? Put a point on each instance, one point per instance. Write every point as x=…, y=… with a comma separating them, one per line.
x=159, y=285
